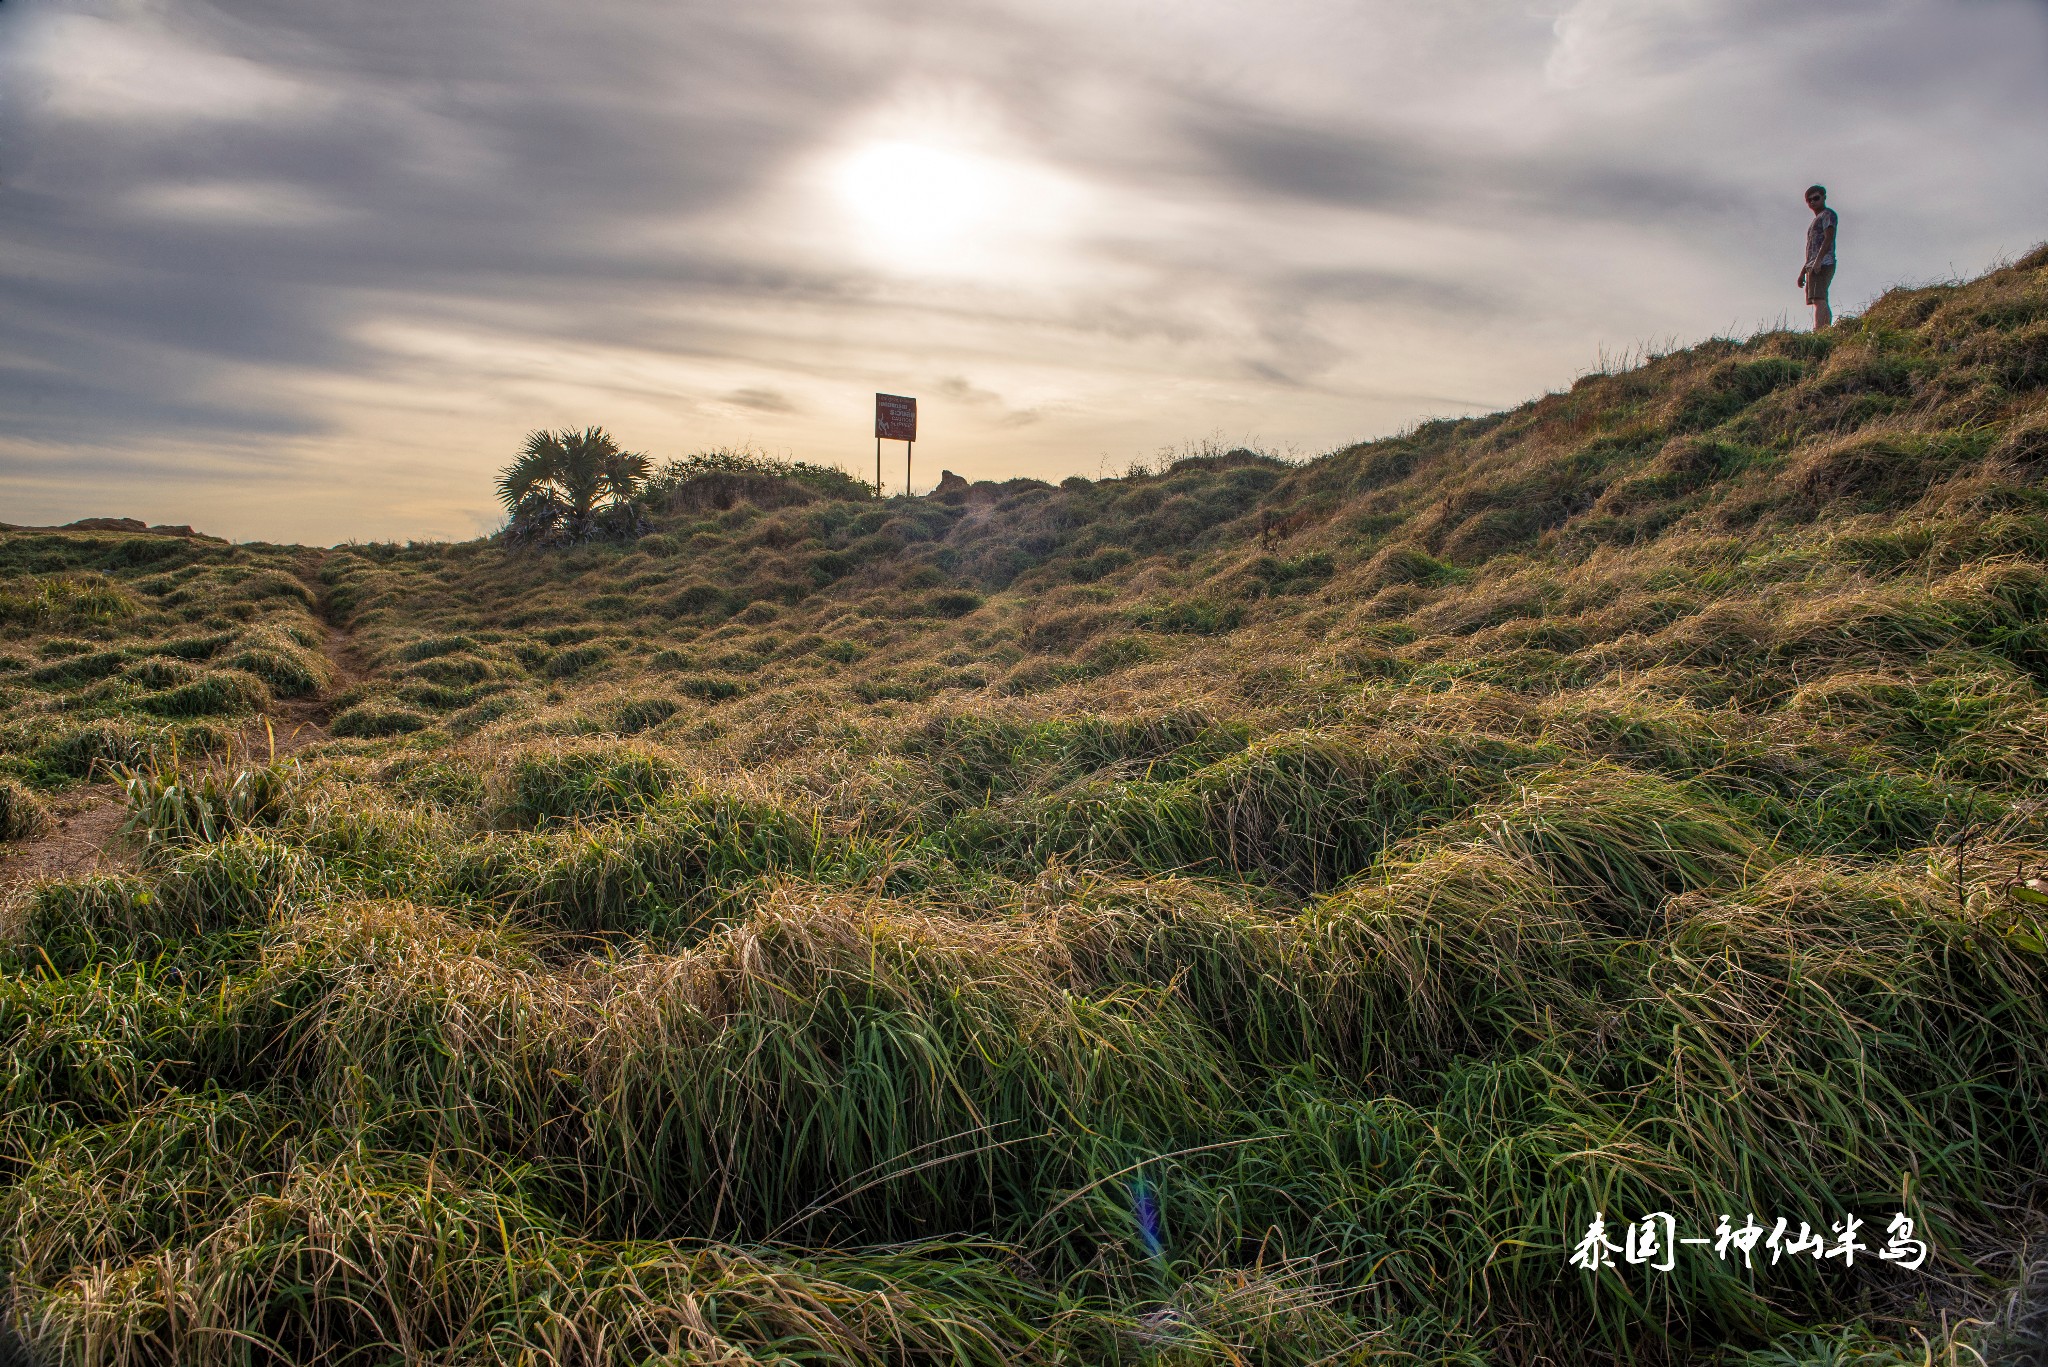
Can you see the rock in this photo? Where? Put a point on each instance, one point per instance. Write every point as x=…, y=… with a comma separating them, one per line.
x=949, y=483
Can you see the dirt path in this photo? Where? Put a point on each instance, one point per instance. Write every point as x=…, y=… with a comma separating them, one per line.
x=82, y=840
x=295, y=723
x=86, y=838
x=87, y=835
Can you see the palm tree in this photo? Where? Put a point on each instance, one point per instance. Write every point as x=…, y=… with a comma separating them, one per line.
x=572, y=486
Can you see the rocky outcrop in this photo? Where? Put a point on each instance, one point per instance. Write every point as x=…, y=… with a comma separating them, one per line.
x=115, y=524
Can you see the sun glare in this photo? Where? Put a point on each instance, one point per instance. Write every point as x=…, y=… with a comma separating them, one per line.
x=923, y=205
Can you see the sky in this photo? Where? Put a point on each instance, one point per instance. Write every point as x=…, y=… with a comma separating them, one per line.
x=301, y=271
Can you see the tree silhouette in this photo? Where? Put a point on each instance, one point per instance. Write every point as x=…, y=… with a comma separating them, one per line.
x=572, y=486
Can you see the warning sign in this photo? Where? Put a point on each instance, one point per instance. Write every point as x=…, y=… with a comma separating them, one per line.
x=895, y=417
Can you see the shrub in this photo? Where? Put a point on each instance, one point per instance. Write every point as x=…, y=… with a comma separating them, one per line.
x=570, y=487
x=723, y=476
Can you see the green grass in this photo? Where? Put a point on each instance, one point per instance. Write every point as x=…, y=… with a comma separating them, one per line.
x=1239, y=912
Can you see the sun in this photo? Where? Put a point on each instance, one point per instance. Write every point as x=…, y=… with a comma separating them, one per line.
x=923, y=204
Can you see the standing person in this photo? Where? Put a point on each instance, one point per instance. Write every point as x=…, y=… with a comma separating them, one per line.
x=1819, y=270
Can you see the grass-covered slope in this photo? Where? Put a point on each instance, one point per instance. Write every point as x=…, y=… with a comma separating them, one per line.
x=1240, y=912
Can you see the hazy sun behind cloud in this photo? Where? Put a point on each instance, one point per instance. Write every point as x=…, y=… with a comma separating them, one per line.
x=920, y=205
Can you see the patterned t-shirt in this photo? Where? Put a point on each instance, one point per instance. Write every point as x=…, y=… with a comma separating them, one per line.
x=1816, y=233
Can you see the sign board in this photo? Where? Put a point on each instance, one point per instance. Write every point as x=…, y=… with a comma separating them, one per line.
x=895, y=417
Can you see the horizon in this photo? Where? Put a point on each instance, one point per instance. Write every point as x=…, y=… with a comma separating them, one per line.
x=286, y=275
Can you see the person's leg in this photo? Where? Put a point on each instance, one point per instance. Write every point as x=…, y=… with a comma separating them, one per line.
x=1817, y=294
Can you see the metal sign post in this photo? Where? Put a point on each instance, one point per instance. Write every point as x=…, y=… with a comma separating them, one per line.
x=895, y=420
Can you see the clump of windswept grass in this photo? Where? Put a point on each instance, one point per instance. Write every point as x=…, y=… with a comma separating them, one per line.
x=1620, y=841
x=1304, y=810
x=289, y=669
x=168, y=808
x=229, y=885
x=65, y=600
x=658, y=874
x=374, y=718
x=23, y=815
x=215, y=693
x=78, y=752
x=1195, y=616
x=582, y=782
x=386, y=1252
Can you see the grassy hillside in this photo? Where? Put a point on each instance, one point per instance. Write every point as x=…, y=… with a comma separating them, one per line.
x=1239, y=912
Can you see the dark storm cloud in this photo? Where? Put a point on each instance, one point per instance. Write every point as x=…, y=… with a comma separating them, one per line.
x=1257, y=156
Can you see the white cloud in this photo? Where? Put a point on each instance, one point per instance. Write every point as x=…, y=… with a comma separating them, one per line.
x=136, y=70
x=273, y=203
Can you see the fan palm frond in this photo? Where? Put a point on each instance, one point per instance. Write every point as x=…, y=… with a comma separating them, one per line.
x=537, y=467
x=560, y=478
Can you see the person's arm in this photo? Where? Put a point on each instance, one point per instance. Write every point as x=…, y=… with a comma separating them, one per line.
x=1827, y=240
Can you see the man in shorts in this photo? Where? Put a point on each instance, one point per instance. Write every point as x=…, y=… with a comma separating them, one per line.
x=1819, y=270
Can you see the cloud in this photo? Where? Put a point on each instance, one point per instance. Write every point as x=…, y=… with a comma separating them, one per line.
x=133, y=69
x=989, y=406
x=761, y=401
